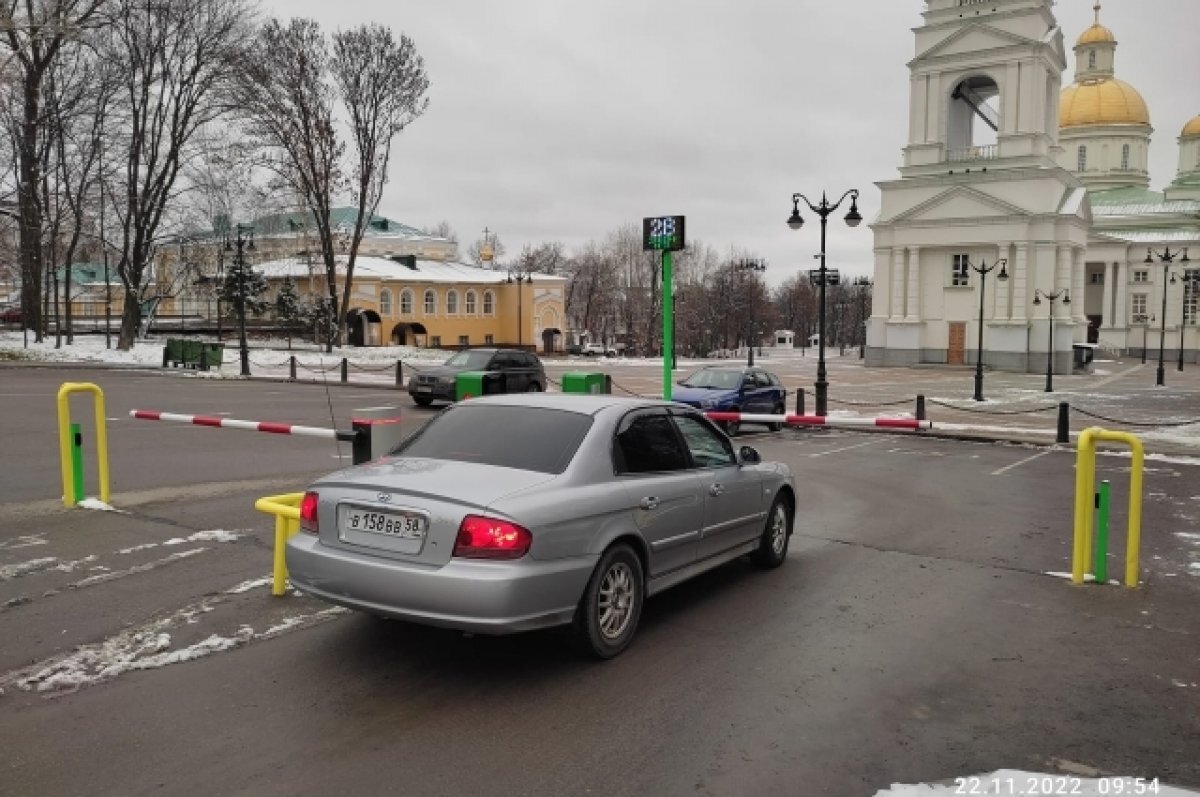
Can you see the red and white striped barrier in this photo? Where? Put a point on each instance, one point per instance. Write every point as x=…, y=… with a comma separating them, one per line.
x=819, y=420
x=253, y=426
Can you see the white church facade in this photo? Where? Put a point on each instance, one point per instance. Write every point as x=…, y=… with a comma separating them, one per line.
x=1004, y=167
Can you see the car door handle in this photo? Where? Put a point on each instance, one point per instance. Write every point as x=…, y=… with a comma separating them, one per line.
x=649, y=502
x=716, y=489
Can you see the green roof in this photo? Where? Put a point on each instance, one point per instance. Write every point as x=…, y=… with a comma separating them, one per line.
x=1133, y=195
x=85, y=273
x=294, y=223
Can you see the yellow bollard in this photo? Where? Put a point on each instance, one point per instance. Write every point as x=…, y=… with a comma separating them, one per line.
x=64, y=438
x=1085, y=488
x=286, y=509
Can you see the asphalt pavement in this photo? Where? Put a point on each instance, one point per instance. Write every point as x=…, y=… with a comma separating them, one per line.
x=916, y=633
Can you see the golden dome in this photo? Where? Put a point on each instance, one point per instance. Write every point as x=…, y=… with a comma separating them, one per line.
x=1192, y=128
x=1106, y=101
x=1096, y=34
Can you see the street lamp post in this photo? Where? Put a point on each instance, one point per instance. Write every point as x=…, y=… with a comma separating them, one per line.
x=1052, y=296
x=983, y=269
x=243, y=242
x=745, y=266
x=1166, y=257
x=520, y=277
x=795, y=221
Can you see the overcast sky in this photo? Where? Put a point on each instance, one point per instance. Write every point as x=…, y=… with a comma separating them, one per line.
x=565, y=119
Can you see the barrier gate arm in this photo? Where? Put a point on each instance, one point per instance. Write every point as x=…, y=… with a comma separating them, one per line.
x=1085, y=507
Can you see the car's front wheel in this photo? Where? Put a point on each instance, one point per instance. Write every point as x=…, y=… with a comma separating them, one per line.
x=422, y=401
x=773, y=544
x=778, y=410
x=608, y=612
x=534, y=387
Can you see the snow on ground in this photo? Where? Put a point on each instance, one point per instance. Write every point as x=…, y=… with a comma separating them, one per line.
x=1018, y=782
x=148, y=353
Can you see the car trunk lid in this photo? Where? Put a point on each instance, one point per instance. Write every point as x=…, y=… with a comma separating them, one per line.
x=411, y=508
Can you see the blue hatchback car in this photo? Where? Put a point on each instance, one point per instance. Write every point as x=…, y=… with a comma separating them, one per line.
x=734, y=389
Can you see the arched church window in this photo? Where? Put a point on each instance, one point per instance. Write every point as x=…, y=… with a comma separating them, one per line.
x=1081, y=160
x=385, y=302
x=1125, y=157
x=1091, y=59
x=430, y=302
x=406, y=302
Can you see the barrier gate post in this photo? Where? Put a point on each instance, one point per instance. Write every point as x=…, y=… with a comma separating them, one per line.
x=66, y=439
x=1085, y=502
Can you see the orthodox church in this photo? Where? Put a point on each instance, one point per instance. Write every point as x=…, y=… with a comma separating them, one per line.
x=1023, y=224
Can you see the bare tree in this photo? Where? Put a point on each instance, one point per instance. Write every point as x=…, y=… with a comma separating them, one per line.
x=382, y=83
x=36, y=33
x=442, y=230
x=546, y=258
x=290, y=97
x=178, y=57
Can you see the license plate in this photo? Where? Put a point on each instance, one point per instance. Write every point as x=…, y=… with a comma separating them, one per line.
x=423, y=389
x=402, y=526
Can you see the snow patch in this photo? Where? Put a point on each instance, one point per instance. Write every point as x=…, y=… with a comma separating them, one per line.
x=246, y=586
x=95, y=503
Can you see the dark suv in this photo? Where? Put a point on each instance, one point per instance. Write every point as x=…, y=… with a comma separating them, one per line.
x=523, y=373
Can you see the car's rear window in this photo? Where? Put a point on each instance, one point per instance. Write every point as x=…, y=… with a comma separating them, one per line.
x=528, y=438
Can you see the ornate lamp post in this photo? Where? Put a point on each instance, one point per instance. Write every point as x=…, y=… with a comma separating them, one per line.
x=853, y=219
x=983, y=269
x=1052, y=296
x=243, y=241
x=1166, y=257
x=745, y=266
x=520, y=277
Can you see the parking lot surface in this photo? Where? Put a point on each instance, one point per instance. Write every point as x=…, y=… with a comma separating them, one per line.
x=918, y=631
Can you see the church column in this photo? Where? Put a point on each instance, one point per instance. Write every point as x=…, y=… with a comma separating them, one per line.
x=1062, y=281
x=1108, y=319
x=917, y=87
x=1020, y=282
x=1079, y=309
x=1121, y=285
x=896, y=312
x=1012, y=95
x=913, y=311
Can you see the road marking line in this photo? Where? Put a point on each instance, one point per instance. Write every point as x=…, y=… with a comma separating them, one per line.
x=847, y=448
x=1007, y=468
x=374, y=409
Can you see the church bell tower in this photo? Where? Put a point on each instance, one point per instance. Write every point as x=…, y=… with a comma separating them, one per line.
x=980, y=183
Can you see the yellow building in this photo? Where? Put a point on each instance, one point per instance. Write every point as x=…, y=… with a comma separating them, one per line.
x=409, y=288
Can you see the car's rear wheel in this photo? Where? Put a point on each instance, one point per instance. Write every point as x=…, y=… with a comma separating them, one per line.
x=773, y=544
x=534, y=387
x=422, y=401
x=732, y=427
x=608, y=612
x=778, y=410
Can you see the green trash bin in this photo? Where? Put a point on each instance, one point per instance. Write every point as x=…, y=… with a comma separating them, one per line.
x=215, y=354
x=584, y=382
x=191, y=352
x=469, y=384
x=173, y=352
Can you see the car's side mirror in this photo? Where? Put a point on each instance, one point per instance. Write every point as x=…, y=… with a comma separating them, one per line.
x=748, y=455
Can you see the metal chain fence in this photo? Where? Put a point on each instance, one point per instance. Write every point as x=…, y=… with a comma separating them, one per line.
x=993, y=412
x=1135, y=423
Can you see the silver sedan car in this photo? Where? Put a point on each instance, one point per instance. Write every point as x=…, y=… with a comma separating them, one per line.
x=514, y=512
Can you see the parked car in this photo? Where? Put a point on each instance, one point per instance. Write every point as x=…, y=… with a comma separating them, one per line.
x=599, y=350
x=522, y=370
x=11, y=315
x=508, y=513
x=731, y=388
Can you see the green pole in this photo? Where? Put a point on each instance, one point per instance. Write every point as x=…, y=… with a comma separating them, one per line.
x=668, y=324
x=1101, y=565
x=77, y=462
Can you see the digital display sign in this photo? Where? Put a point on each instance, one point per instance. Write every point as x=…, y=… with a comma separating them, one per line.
x=662, y=234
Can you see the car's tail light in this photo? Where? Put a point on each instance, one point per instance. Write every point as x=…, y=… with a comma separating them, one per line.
x=308, y=513
x=491, y=538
